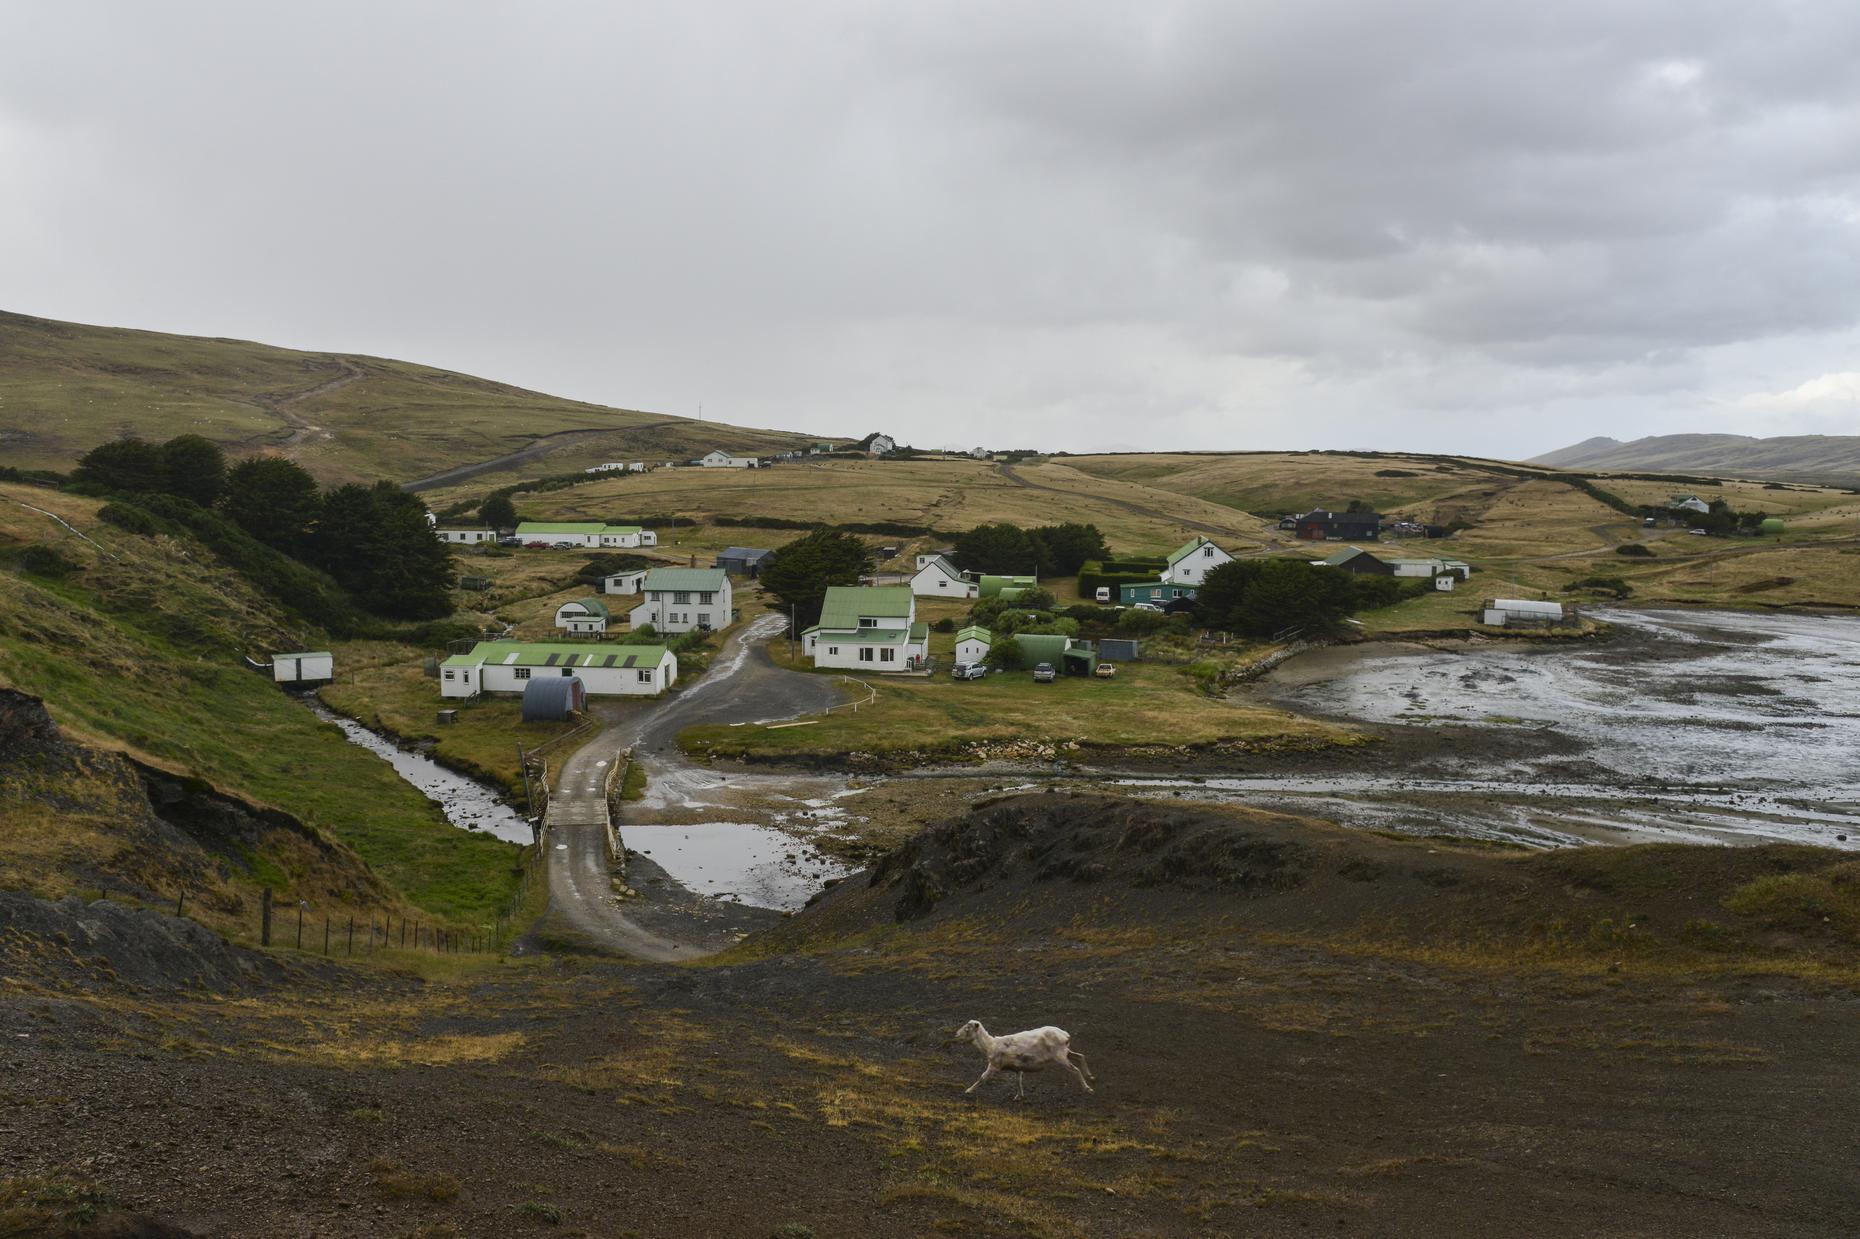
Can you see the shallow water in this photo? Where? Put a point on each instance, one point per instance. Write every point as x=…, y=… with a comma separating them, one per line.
x=750, y=864
x=1691, y=726
x=467, y=803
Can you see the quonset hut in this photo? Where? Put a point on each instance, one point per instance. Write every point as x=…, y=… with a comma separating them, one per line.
x=552, y=701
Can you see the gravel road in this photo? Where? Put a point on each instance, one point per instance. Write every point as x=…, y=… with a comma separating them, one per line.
x=742, y=685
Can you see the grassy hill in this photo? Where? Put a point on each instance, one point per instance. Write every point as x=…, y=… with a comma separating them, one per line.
x=135, y=644
x=1807, y=458
x=65, y=387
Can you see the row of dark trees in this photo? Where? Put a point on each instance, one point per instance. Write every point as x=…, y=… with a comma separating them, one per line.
x=1008, y=550
x=375, y=541
x=1266, y=597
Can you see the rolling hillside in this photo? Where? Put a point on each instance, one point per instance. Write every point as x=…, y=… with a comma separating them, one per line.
x=65, y=387
x=1808, y=458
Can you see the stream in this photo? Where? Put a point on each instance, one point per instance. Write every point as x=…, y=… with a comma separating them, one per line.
x=467, y=803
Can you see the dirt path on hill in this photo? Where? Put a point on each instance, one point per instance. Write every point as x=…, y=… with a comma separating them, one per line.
x=1136, y=509
x=667, y=922
x=543, y=445
x=300, y=429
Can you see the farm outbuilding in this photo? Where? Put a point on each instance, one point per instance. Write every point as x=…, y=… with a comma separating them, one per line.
x=1521, y=612
x=743, y=560
x=584, y=616
x=1118, y=650
x=1078, y=660
x=303, y=668
x=552, y=701
x=605, y=670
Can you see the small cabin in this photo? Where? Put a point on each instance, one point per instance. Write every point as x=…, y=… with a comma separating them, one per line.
x=304, y=668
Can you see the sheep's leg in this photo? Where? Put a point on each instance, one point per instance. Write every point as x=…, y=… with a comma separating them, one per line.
x=1020, y=1088
x=984, y=1076
x=1070, y=1054
x=1076, y=1074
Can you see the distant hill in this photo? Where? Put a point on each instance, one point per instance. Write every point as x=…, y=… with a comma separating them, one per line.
x=1789, y=458
x=65, y=387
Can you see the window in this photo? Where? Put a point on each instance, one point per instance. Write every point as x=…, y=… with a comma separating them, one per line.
x=523, y=673
x=1207, y=552
x=681, y=597
x=833, y=649
x=888, y=656
x=866, y=621
x=706, y=599
x=865, y=654
x=645, y=677
x=450, y=675
x=568, y=671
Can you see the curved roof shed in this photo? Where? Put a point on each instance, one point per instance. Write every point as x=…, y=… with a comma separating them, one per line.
x=553, y=700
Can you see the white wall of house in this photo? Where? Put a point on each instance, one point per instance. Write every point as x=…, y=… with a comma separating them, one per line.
x=971, y=650
x=623, y=582
x=1193, y=568
x=295, y=668
x=569, y=612
x=468, y=537
x=587, y=625
x=933, y=580
x=836, y=650
x=723, y=460
x=684, y=610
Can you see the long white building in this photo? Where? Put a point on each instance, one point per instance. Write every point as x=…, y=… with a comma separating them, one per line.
x=605, y=670
x=586, y=533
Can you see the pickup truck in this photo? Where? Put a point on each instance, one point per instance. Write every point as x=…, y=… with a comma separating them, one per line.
x=1044, y=674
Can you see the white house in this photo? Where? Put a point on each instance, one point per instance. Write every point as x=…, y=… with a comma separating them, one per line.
x=605, y=670
x=881, y=445
x=612, y=466
x=586, y=533
x=582, y=617
x=1191, y=562
x=683, y=599
x=1689, y=503
x=868, y=628
x=302, y=668
x=623, y=582
x=924, y=557
x=717, y=458
x=972, y=644
x=1504, y=612
x=638, y=466
x=467, y=537
x=942, y=579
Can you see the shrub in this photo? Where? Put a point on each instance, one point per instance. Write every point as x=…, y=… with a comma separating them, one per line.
x=1004, y=654
x=946, y=624
x=46, y=562
x=134, y=520
x=1635, y=550
x=1613, y=586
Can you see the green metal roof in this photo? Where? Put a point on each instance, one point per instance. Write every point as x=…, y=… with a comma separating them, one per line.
x=920, y=632
x=622, y=529
x=697, y=580
x=1344, y=556
x=992, y=584
x=975, y=632
x=845, y=604
x=1012, y=592
x=1040, y=647
x=524, y=527
x=566, y=654
x=594, y=606
x=1187, y=548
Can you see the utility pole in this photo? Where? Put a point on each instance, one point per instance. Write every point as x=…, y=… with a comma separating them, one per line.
x=791, y=632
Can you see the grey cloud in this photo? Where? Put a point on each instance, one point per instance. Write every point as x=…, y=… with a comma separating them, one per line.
x=1315, y=224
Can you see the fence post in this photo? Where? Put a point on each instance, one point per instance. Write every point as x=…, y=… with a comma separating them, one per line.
x=351, y=935
x=264, y=918
x=180, y=902
x=403, y=931
x=300, y=924
x=326, y=933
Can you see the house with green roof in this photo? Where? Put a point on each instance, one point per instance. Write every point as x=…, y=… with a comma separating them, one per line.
x=868, y=628
x=604, y=670
x=973, y=644
x=938, y=577
x=582, y=617
x=585, y=533
x=1190, y=563
x=685, y=600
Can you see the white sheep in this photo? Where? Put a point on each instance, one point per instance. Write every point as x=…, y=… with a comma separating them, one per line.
x=1021, y=1052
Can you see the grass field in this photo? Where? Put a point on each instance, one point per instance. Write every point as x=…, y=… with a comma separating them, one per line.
x=139, y=649
x=1147, y=704
x=65, y=387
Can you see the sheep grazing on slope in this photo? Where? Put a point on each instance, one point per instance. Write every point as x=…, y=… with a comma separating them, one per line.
x=1021, y=1052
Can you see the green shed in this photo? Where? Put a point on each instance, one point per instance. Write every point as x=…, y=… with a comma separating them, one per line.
x=1039, y=647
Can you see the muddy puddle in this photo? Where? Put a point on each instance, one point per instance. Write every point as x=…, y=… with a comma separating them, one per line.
x=1691, y=726
x=467, y=803
x=739, y=861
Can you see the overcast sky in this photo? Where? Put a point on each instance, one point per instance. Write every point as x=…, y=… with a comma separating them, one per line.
x=1476, y=226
